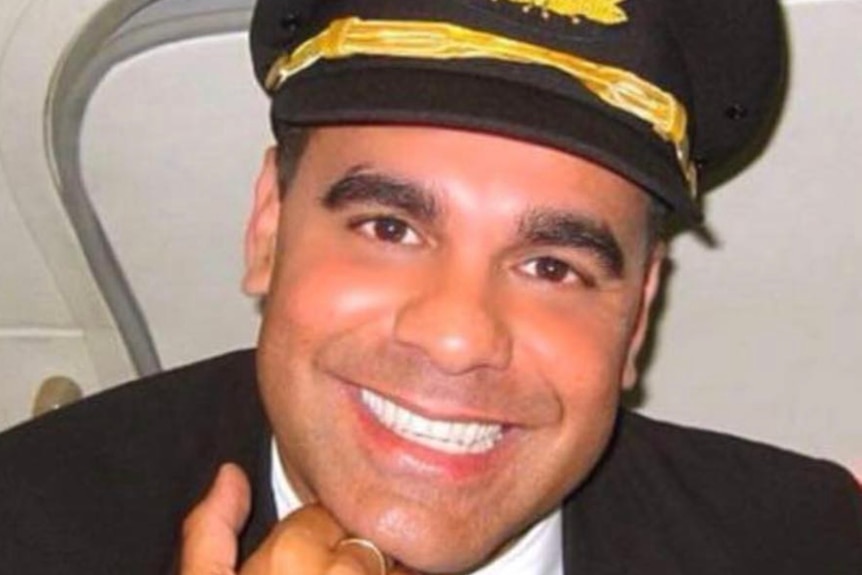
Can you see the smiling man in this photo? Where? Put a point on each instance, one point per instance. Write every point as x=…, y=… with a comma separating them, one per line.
x=457, y=241
x=461, y=318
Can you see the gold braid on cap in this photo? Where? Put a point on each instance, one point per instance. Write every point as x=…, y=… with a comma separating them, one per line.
x=619, y=88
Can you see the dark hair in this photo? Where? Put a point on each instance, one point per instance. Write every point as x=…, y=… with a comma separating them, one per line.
x=659, y=221
x=290, y=145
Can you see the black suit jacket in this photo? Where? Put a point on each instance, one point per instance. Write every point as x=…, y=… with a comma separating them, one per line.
x=102, y=487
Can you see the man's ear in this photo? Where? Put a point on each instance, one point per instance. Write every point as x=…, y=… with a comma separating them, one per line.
x=651, y=286
x=262, y=229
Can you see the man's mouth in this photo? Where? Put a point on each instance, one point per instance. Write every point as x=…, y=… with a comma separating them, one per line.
x=455, y=437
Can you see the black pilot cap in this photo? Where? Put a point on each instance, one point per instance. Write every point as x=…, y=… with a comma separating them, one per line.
x=646, y=88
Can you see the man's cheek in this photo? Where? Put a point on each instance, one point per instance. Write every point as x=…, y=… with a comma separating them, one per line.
x=576, y=354
x=337, y=294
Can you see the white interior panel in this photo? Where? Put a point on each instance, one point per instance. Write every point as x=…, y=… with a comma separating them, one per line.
x=171, y=144
x=52, y=318
x=10, y=12
x=762, y=333
x=28, y=296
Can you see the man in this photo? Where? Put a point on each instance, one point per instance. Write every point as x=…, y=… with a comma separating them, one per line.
x=457, y=241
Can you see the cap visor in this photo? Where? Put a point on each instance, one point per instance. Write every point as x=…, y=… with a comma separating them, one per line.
x=492, y=105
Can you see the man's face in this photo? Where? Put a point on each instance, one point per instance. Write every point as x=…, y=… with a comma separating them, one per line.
x=449, y=320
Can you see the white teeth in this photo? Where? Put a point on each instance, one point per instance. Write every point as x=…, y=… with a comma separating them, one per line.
x=447, y=436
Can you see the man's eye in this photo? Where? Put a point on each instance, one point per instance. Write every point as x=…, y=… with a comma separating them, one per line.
x=389, y=229
x=551, y=270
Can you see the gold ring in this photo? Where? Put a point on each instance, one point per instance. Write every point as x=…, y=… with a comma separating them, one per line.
x=382, y=559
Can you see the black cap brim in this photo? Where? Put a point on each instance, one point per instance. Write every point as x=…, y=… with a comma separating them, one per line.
x=423, y=96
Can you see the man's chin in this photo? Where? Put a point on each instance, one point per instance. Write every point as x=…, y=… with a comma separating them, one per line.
x=442, y=563
x=446, y=550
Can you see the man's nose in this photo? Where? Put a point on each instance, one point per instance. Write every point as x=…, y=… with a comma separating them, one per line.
x=457, y=323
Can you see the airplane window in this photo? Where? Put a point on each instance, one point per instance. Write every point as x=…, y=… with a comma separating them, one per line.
x=153, y=121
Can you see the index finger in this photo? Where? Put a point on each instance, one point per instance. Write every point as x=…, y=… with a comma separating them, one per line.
x=302, y=542
x=312, y=524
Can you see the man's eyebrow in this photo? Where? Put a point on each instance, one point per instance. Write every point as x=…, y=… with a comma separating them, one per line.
x=360, y=185
x=571, y=230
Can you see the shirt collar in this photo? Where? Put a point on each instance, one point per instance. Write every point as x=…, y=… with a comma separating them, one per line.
x=538, y=552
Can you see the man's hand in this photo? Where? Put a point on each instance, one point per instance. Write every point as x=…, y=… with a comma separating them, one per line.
x=304, y=543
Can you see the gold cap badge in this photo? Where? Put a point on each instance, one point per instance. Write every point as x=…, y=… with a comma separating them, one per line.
x=600, y=11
